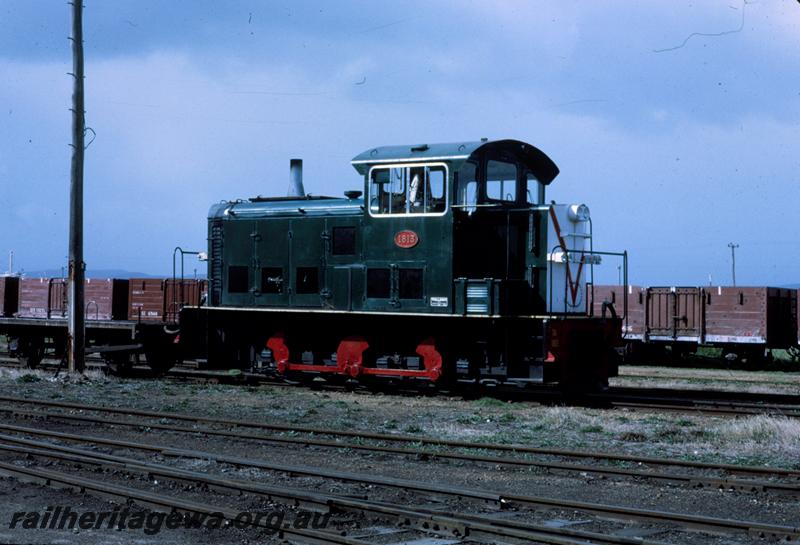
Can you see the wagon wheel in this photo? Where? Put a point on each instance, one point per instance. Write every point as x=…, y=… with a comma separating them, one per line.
x=31, y=352
x=755, y=356
x=119, y=364
x=163, y=357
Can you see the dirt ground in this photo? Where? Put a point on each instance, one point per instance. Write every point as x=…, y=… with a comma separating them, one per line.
x=758, y=440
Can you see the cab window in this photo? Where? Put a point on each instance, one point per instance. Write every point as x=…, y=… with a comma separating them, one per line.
x=467, y=195
x=501, y=181
x=415, y=189
x=535, y=189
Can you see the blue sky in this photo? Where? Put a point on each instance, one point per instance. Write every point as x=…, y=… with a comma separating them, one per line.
x=677, y=122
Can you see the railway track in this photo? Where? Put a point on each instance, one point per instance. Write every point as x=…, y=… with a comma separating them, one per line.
x=692, y=480
x=458, y=523
x=714, y=402
x=435, y=521
x=789, y=484
x=314, y=433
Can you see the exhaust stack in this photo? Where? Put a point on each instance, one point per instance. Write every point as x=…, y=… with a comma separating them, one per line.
x=296, y=179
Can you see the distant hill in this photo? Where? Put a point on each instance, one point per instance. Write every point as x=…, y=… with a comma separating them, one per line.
x=94, y=273
x=793, y=286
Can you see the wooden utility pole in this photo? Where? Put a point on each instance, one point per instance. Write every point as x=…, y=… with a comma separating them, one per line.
x=76, y=339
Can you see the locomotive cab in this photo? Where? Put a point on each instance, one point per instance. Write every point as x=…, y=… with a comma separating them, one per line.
x=499, y=215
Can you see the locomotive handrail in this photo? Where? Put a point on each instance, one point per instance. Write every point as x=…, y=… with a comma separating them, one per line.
x=583, y=254
x=624, y=256
x=174, y=309
x=174, y=273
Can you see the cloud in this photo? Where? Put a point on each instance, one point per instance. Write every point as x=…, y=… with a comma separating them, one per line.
x=693, y=146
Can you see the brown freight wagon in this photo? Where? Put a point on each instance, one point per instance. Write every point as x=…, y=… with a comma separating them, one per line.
x=722, y=315
x=39, y=327
x=9, y=295
x=741, y=320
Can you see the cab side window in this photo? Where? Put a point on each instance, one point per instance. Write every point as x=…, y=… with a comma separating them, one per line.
x=408, y=190
x=467, y=191
x=534, y=189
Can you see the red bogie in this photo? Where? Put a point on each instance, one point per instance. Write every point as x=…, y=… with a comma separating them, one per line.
x=280, y=352
x=349, y=355
x=350, y=360
x=431, y=358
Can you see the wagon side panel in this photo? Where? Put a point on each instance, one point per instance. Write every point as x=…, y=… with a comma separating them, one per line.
x=34, y=297
x=146, y=299
x=736, y=315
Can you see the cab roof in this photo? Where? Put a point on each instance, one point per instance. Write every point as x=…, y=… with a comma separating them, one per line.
x=456, y=153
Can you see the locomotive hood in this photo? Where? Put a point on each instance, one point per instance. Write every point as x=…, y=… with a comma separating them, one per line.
x=456, y=153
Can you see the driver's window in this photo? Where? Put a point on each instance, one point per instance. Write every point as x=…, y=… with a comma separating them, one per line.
x=408, y=190
x=388, y=191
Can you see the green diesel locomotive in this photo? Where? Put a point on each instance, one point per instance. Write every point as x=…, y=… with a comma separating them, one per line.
x=448, y=266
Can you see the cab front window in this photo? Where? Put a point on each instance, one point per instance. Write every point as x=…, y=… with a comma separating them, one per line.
x=501, y=181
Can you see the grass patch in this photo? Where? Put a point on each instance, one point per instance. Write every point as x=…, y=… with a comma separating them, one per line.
x=506, y=418
x=469, y=420
x=670, y=434
x=761, y=431
x=489, y=402
x=632, y=437
x=567, y=418
x=592, y=429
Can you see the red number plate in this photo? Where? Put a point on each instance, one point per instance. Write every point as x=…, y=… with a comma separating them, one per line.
x=406, y=239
